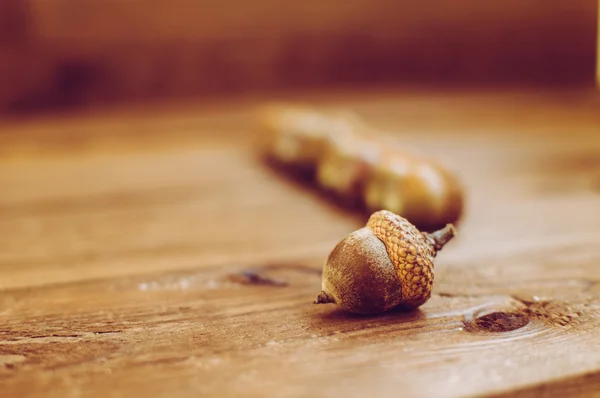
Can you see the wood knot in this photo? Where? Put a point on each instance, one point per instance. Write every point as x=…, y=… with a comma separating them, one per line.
x=497, y=322
x=252, y=277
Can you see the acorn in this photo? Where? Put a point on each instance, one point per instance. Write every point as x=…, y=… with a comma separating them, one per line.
x=345, y=167
x=385, y=265
x=296, y=136
x=417, y=188
x=359, y=165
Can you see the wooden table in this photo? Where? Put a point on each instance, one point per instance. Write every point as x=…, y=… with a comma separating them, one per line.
x=124, y=235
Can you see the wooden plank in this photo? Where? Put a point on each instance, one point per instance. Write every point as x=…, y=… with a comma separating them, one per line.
x=124, y=237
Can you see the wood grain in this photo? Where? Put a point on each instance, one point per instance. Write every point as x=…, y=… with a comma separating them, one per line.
x=125, y=237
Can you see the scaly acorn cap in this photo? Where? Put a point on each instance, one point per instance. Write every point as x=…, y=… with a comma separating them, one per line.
x=384, y=265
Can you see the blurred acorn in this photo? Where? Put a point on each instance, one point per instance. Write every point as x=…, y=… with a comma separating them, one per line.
x=416, y=188
x=345, y=157
x=345, y=166
x=296, y=136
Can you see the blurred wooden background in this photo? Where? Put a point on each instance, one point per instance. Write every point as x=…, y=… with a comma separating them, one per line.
x=80, y=52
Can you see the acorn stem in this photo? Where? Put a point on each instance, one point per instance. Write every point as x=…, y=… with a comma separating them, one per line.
x=442, y=236
x=323, y=298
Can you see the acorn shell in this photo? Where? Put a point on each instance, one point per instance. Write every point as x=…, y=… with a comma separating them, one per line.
x=296, y=136
x=360, y=277
x=345, y=166
x=420, y=190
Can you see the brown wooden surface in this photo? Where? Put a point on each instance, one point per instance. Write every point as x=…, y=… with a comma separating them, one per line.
x=123, y=234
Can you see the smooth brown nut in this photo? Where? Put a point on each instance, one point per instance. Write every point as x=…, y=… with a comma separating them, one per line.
x=417, y=189
x=345, y=166
x=296, y=136
x=339, y=154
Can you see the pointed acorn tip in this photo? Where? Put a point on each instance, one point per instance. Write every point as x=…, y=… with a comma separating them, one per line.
x=323, y=298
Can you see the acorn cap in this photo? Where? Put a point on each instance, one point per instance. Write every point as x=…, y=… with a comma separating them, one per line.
x=411, y=251
x=359, y=275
